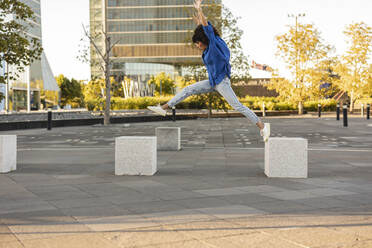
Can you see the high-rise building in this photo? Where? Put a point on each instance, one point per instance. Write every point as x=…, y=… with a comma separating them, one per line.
x=24, y=93
x=151, y=36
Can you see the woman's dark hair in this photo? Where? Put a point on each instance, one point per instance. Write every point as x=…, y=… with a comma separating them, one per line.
x=199, y=35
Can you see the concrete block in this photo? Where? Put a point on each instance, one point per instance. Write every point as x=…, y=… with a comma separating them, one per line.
x=169, y=138
x=8, y=153
x=286, y=157
x=135, y=155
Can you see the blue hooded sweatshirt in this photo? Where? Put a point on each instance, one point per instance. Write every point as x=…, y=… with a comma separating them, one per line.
x=216, y=57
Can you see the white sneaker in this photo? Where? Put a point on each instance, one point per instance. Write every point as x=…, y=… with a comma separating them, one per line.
x=158, y=110
x=265, y=132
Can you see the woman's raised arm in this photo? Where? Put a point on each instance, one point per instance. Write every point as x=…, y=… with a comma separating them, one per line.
x=201, y=17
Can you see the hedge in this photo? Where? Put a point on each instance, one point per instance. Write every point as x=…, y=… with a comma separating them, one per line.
x=255, y=103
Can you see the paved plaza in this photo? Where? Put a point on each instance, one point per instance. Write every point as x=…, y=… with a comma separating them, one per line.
x=212, y=193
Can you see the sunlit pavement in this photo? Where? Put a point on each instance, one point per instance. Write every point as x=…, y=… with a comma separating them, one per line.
x=212, y=193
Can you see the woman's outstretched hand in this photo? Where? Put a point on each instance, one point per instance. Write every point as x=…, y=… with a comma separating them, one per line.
x=197, y=4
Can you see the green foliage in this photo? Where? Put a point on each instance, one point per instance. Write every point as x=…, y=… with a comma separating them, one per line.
x=116, y=88
x=71, y=91
x=16, y=48
x=94, y=94
x=364, y=101
x=354, y=68
x=306, y=57
x=327, y=105
x=254, y=103
x=165, y=81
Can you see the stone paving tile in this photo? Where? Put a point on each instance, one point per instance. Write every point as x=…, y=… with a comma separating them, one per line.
x=231, y=211
x=325, y=202
x=177, y=195
x=324, y=237
x=151, y=207
x=205, y=202
x=94, y=212
x=327, y=192
x=6, y=235
x=25, y=205
x=247, y=198
x=13, y=244
x=359, y=244
x=356, y=199
x=279, y=206
x=363, y=230
x=183, y=244
x=118, y=223
x=148, y=236
x=147, y=185
x=289, y=195
x=219, y=192
x=76, y=194
x=209, y=228
x=29, y=217
x=178, y=216
x=75, y=203
x=123, y=199
x=103, y=189
x=253, y=240
x=68, y=241
x=51, y=189
x=45, y=230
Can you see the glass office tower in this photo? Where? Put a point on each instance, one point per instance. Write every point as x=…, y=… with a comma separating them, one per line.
x=151, y=36
x=24, y=93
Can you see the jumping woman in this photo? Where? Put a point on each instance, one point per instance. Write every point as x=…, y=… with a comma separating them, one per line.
x=216, y=57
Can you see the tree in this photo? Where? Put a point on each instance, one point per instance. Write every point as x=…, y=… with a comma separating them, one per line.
x=323, y=79
x=305, y=55
x=16, y=48
x=354, y=69
x=103, y=61
x=100, y=57
x=164, y=84
x=71, y=91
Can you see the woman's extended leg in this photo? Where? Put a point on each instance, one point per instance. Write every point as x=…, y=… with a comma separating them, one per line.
x=224, y=88
x=194, y=89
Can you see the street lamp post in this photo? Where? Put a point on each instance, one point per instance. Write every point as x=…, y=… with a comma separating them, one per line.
x=296, y=45
x=160, y=88
x=7, y=89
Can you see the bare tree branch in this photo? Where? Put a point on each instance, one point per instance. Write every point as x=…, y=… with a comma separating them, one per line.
x=92, y=41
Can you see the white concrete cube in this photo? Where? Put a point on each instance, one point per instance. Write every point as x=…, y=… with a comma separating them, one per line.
x=8, y=153
x=286, y=157
x=135, y=156
x=169, y=138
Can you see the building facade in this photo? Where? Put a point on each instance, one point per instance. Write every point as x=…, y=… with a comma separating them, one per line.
x=24, y=93
x=151, y=36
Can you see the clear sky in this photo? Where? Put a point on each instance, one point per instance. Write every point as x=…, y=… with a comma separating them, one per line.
x=261, y=21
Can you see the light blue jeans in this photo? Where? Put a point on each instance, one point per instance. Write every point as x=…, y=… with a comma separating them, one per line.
x=224, y=88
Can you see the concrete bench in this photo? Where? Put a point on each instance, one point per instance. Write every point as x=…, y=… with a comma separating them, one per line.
x=286, y=157
x=169, y=138
x=8, y=153
x=135, y=156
